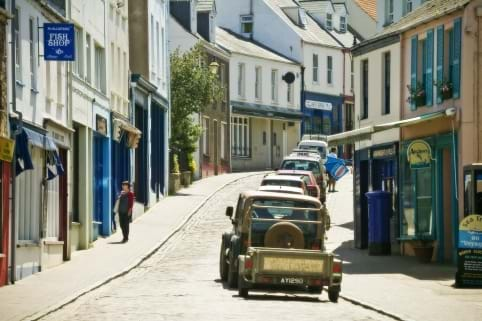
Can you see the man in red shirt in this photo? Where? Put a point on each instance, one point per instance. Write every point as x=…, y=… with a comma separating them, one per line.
x=126, y=203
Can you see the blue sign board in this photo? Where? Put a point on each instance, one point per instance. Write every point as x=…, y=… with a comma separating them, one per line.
x=336, y=167
x=59, y=41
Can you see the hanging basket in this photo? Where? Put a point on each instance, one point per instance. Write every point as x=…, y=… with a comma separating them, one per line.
x=447, y=94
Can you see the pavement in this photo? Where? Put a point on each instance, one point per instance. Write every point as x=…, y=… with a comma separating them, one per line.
x=91, y=268
x=398, y=285
x=393, y=286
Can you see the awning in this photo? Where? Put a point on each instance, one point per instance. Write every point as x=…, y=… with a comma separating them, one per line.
x=365, y=133
x=24, y=159
x=265, y=111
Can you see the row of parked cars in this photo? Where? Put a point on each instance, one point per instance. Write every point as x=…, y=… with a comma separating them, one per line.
x=277, y=240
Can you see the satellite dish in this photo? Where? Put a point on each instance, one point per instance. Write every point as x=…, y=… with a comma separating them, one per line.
x=289, y=77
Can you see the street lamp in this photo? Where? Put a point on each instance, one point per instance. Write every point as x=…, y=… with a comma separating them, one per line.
x=213, y=67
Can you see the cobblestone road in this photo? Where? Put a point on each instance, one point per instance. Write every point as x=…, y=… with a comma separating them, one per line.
x=181, y=282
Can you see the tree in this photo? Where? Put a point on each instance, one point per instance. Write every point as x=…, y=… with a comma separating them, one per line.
x=193, y=88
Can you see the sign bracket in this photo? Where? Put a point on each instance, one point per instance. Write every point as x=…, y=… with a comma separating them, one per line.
x=38, y=41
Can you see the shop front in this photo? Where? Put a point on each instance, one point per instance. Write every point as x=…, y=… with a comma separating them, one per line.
x=428, y=197
x=322, y=114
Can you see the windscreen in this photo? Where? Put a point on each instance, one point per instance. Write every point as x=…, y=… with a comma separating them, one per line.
x=321, y=149
x=280, y=182
x=302, y=165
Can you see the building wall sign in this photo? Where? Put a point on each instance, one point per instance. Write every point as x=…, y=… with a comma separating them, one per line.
x=7, y=147
x=469, y=270
x=59, y=41
x=320, y=105
x=384, y=153
x=419, y=154
x=101, y=125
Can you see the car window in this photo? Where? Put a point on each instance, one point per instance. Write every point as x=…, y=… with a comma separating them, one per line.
x=303, y=165
x=278, y=182
x=282, y=212
x=321, y=149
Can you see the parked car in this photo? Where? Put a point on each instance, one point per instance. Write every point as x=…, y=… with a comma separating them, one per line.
x=315, y=142
x=282, y=189
x=277, y=243
x=309, y=179
x=308, y=163
x=290, y=181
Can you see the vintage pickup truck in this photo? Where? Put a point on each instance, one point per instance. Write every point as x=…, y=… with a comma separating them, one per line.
x=277, y=243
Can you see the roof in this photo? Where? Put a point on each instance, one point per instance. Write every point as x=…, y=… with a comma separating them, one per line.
x=276, y=177
x=289, y=197
x=340, y=7
x=204, y=5
x=281, y=189
x=427, y=11
x=320, y=6
x=237, y=44
x=369, y=6
x=345, y=38
x=313, y=33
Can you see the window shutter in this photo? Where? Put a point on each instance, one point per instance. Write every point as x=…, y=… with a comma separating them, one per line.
x=457, y=53
x=440, y=58
x=413, y=78
x=429, y=69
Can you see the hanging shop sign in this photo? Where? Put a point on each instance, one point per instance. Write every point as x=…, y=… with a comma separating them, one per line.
x=419, y=154
x=7, y=147
x=383, y=153
x=101, y=125
x=320, y=105
x=59, y=41
x=469, y=269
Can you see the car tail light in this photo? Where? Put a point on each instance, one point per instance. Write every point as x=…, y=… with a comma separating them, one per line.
x=248, y=263
x=265, y=279
x=337, y=267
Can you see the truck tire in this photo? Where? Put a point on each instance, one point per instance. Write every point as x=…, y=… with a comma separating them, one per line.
x=232, y=272
x=334, y=293
x=223, y=264
x=284, y=235
x=242, y=289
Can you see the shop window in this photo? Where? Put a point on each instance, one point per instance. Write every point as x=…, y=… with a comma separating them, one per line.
x=240, y=137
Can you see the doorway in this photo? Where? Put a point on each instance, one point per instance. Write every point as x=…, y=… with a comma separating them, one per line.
x=63, y=195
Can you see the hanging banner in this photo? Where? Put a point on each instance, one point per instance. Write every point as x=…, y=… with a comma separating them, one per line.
x=59, y=41
x=419, y=154
x=469, y=271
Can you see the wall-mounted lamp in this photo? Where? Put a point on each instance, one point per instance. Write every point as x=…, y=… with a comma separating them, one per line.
x=213, y=67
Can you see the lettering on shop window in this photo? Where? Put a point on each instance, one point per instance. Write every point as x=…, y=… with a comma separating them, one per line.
x=419, y=154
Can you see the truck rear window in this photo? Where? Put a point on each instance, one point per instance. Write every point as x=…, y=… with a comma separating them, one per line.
x=301, y=164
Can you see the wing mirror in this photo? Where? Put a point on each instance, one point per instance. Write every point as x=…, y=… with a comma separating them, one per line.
x=229, y=211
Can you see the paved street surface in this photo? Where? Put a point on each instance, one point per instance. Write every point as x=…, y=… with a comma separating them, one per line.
x=181, y=282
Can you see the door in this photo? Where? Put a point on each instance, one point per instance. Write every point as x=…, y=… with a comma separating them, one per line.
x=98, y=183
x=63, y=196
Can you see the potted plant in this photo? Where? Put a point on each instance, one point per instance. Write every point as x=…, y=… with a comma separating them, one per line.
x=445, y=89
x=192, y=166
x=423, y=249
x=174, y=176
x=417, y=95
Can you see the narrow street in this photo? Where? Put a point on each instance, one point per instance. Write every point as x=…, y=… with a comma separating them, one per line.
x=181, y=282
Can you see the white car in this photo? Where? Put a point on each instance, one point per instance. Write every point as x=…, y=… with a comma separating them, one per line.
x=314, y=144
x=283, y=180
x=281, y=189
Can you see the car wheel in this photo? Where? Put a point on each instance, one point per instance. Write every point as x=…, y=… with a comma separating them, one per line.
x=223, y=264
x=232, y=272
x=334, y=293
x=242, y=289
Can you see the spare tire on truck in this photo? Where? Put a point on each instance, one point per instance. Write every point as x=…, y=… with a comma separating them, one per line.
x=285, y=235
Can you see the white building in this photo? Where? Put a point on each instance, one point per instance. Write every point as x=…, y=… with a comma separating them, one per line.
x=265, y=109
x=40, y=114
x=391, y=11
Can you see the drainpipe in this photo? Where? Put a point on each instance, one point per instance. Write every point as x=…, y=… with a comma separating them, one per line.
x=303, y=100
x=13, y=242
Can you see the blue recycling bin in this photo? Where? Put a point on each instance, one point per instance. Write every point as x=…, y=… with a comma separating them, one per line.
x=379, y=212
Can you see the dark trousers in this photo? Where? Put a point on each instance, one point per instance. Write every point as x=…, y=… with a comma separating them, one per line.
x=124, y=224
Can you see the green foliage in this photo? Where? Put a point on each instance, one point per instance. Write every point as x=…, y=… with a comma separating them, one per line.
x=175, y=164
x=191, y=163
x=193, y=87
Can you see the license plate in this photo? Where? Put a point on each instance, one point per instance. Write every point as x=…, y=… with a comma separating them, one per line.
x=292, y=281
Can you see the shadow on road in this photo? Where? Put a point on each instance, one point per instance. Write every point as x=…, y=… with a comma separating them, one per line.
x=271, y=297
x=357, y=261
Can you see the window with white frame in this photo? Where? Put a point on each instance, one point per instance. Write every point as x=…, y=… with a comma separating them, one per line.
x=247, y=24
x=329, y=21
x=158, y=53
x=18, y=53
x=224, y=127
x=388, y=12
x=205, y=136
x=240, y=140
x=241, y=80
x=33, y=56
x=408, y=6
x=79, y=57
x=100, y=69
x=274, y=85
x=329, y=70
x=258, y=83
x=88, y=53
x=315, y=68
x=342, y=24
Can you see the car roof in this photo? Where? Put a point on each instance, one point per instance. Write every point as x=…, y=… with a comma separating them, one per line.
x=281, y=196
x=281, y=189
x=304, y=157
x=313, y=143
x=276, y=177
x=284, y=172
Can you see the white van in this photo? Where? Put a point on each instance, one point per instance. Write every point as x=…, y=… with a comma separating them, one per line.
x=315, y=142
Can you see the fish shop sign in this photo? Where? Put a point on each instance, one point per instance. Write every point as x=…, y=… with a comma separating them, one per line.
x=59, y=41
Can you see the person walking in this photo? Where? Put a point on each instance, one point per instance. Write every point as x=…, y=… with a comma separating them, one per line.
x=126, y=203
x=331, y=179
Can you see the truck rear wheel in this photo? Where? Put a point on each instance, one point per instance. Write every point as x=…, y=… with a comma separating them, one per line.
x=334, y=293
x=232, y=272
x=242, y=289
x=223, y=264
